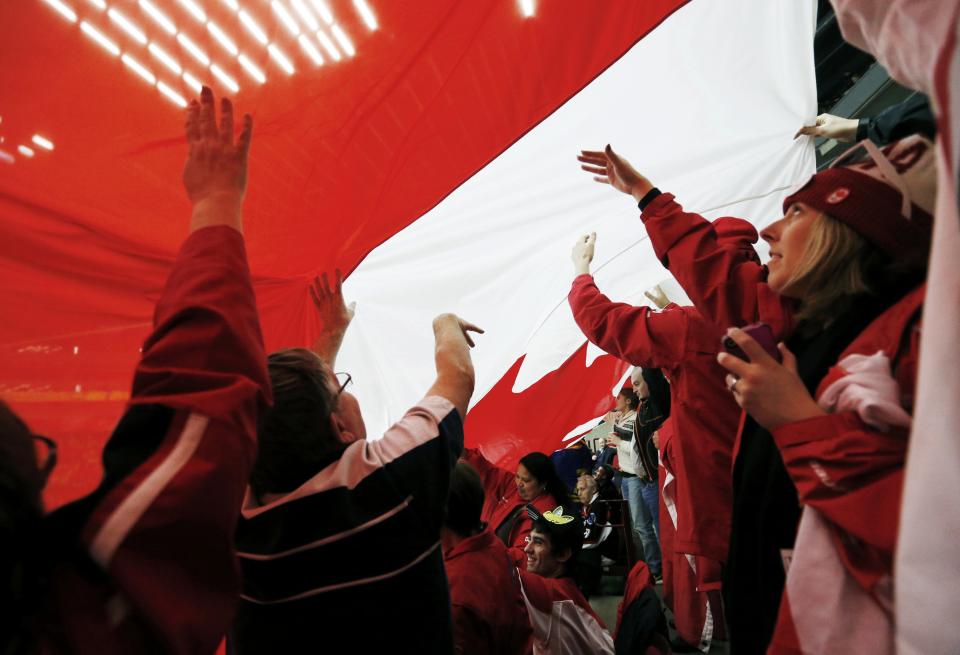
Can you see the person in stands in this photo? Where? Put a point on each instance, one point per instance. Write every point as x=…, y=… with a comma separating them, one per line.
x=600, y=538
x=489, y=615
x=562, y=619
x=605, y=476
x=331, y=523
x=852, y=243
x=507, y=495
x=641, y=624
x=145, y=563
x=654, y=393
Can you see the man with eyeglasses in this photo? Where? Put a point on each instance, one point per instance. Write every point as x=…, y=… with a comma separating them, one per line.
x=339, y=537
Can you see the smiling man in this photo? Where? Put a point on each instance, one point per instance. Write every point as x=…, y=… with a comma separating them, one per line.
x=561, y=618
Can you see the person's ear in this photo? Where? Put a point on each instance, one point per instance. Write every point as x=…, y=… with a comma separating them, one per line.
x=564, y=555
x=340, y=430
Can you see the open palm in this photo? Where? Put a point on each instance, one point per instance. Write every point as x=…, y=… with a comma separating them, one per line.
x=610, y=168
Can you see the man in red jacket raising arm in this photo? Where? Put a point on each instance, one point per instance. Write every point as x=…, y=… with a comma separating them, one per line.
x=697, y=490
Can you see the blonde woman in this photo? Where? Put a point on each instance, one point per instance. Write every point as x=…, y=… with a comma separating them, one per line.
x=851, y=244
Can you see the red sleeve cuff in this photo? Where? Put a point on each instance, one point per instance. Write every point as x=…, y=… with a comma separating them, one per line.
x=817, y=428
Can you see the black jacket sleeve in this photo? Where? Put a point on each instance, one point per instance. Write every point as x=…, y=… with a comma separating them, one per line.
x=659, y=391
x=912, y=116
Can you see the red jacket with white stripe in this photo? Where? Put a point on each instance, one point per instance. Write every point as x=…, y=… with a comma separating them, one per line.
x=146, y=562
x=563, y=621
x=851, y=475
x=683, y=344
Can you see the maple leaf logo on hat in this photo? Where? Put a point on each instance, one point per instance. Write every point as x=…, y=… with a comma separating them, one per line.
x=838, y=195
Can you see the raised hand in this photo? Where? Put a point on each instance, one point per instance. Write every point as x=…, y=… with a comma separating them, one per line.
x=772, y=393
x=215, y=173
x=455, y=374
x=446, y=325
x=831, y=127
x=610, y=168
x=334, y=315
x=657, y=297
x=333, y=312
x=582, y=253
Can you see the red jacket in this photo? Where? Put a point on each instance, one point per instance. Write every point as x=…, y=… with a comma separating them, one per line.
x=502, y=499
x=146, y=562
x=725, y=287
x=563, y=621
x=489, y=614
x=851, y=475
x=683, y=344
x=640, y=620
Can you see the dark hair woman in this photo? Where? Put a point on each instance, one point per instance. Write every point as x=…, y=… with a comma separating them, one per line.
x=507, y=494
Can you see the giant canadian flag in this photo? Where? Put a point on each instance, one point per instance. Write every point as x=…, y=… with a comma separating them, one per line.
x=427, y=147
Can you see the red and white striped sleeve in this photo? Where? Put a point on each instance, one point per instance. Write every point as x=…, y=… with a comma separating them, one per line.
x=160, y=527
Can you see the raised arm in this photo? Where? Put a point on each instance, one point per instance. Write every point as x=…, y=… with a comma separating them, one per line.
x=725, y=287
x=911, y=116
x=637, y=335
x=334, y=315
x=497, y=482
x=209, y=287
x=160, y=526
x=455, y=376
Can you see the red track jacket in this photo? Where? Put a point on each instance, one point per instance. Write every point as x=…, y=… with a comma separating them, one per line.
x=146, y=562
x=850, y=477
x=562, y=620
x=725, y=287
x=705, y=416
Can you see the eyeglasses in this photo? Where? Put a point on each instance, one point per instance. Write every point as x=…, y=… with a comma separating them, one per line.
x=343, y=379
x=51, y=458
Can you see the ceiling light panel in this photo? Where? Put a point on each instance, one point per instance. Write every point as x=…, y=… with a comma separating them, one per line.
x=294, y=33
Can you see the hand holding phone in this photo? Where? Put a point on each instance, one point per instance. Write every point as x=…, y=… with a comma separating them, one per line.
x=762, y=334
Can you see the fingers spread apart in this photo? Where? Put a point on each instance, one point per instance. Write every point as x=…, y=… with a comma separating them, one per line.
x=201, y=123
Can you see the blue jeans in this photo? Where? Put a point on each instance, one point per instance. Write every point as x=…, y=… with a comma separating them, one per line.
x=640, y=497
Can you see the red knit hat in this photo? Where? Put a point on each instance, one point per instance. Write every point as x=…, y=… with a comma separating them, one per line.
x=886, y=197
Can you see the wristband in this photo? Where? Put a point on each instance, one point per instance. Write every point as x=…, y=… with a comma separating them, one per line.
x=648, y=198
